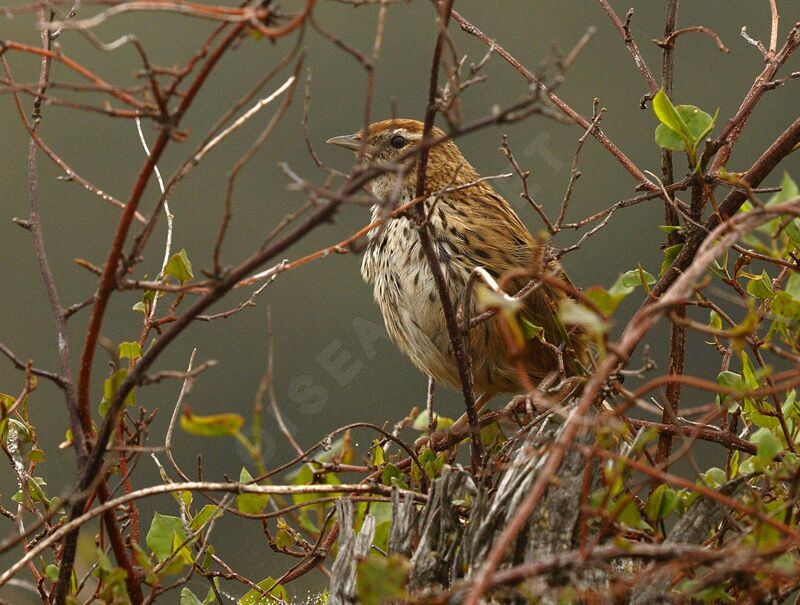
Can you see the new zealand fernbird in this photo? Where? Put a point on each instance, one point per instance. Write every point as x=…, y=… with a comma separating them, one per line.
x=470, y=225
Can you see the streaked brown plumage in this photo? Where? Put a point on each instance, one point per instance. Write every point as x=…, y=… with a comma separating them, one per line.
x=470, y=227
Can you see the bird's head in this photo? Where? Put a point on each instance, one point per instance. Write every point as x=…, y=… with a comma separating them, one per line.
x=397, y=141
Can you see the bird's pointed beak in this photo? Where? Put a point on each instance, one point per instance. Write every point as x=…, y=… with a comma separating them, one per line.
x=348, y=141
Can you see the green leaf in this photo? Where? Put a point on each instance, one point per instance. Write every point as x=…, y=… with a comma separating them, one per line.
x=492, y=434
x=788, y=191
x=751, y=378
x=636, y=277
x=792, y=287
x=661, y=503
x=631, y=516
x=531, y=330
x=790, y=406
x=713, y=477
x=433, y=468
x=682, y=127
x=36, y=455
x=52, y=572
x=204, y=516
x=666, y=138
x=250, y=503
x=188, y=598
x=130, y=350
x=111, y=386
x=431, y=463
x=670, y=253
x=180, y=267
x=761, y=286
x=643, y=438
x=732, y=380
x=620, y=288
x=608, y=300
x=303, y=476
x=421, y=421
x=378, y=458
x=768, y=445
x=715, y=593
x=112, y=578
x=670, y=228
x=700, y=123
x=392, y=475
x=603, y=299
x=208, y=559
x=382, y=532
x=382, y=511
x=793, y=231
x=113, y=382
x=182, y=553
x=381, y=579
x=271, y=587
x=36, y=491
x=668, y=114
x=160, y=535
x=215, y=425
x=284, y=539
x=786, y=564
x=575, y=314
x=489, y=299
x=145, y=304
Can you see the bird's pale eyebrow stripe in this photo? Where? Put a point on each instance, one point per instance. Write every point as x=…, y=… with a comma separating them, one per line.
x=411, y=136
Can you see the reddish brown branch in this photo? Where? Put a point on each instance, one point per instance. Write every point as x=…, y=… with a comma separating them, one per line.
x=669, y=39
x=733, y=128
x=71, y=175
x=108, y=281
x=454, y=330
x=641, y=323
x=630, y=43
x=642, y=180
x=76, y=67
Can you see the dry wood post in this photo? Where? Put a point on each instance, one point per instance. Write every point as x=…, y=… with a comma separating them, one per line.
x=352, y=548
x=447, y=540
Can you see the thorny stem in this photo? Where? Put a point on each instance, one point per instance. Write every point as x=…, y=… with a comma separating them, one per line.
x=762, y=167
x=674, y=293
x=733, y=127
x=112, y=527
x=630, y=43
x=41, y=255
x=677, y=339
x=670, y=38
x=89, y=471
x=204, y=486
x=667, y=76
x=583, y=122
x=453, y=329
x=697, y=238
x=136, y=375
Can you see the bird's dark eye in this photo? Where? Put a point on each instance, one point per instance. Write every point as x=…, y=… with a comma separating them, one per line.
x=398, y=141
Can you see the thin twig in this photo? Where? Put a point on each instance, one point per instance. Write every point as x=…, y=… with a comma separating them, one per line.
x=669, y=39
x=630, y=43
x=644, y=319
x=624, y=160
x=453, y=328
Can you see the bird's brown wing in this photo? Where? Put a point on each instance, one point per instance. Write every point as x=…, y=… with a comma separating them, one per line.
x=509, y=247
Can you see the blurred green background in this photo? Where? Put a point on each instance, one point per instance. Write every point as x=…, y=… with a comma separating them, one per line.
x=333, y=364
